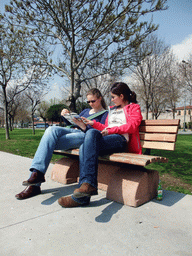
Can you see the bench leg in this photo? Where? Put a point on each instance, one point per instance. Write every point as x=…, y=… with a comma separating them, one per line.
x=133, y=187
x=65, y=170
x=130, y=185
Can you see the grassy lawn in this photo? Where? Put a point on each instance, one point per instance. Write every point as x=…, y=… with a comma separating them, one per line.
x=22, y=142
x=176, y=175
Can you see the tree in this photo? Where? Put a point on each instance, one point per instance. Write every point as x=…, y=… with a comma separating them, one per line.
x=186, y=71
x=149, y=71
x=42, y=110
x=1, y=117
x=96, y=34
x=13, y=107
x=54, y=112
x=11, y=58
x=19, y=64
x=171, y=83
x=22, y=114
x=35, y=95
x=103, y=83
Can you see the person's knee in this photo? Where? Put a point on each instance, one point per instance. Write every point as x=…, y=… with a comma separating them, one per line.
x=50, y=130
x=93, y=132
x=92, y=135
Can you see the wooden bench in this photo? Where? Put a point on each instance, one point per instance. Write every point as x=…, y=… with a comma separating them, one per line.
x=123, y=175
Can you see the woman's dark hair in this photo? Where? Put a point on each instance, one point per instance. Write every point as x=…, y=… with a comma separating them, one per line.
x=119, y=88
x=97, y=93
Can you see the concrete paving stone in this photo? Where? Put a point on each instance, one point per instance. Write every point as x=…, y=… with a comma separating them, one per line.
x=39, y=226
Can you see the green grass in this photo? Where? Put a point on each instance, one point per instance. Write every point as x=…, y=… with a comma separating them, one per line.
x=22, y=142
x=176, y=175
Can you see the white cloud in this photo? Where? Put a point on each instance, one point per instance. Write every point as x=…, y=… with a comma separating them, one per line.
x=184, y=49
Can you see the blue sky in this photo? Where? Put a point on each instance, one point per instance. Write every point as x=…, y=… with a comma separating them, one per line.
x=175, y=24
x=175, y=27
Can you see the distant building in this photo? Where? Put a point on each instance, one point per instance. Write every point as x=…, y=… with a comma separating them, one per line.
x=179, y=114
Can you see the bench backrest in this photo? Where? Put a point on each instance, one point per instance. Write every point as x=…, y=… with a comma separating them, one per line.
x=159, y=134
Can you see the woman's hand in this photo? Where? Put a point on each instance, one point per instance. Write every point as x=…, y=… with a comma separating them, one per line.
x=64, y=112
x=80, y=123
x=104, y=132
x=87, y=121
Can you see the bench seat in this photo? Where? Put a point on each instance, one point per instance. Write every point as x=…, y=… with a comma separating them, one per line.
x=126, y=158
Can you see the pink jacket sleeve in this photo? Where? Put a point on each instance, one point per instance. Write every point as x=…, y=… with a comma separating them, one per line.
x=133, y=117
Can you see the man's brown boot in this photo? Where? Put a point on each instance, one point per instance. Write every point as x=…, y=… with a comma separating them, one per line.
x=85, y=190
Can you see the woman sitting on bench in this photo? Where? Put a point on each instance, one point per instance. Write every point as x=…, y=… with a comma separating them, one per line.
x=56, y=137
x=120, y=130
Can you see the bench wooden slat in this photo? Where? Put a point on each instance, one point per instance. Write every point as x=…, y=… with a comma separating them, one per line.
x=158, y=137
x=126, y=159
x=162, y=122
x=148, y=157
x=159, y=129
x=158, y=145
x=67, y=152
x=130, y=158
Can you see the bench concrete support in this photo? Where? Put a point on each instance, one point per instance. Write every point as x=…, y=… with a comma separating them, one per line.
x=129, y=185
x=133, y=187
x=65, y=170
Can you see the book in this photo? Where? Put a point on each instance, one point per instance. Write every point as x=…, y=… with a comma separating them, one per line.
x=68, y=118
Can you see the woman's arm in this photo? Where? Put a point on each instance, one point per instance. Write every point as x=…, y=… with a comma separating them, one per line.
x=99, y=126
x=133, y=117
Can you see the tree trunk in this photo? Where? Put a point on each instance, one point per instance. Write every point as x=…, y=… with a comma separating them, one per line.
x=75, y=91
x=173, y=112
x=147, y=111
x=33, y=123
x=10, y=124
x=6, y=113
x=44, y=119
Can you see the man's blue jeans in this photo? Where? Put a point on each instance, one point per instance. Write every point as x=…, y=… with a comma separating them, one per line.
x=94, y=145
x=55, y=137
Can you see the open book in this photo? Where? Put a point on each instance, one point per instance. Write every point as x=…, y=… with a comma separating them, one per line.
x=68, y=118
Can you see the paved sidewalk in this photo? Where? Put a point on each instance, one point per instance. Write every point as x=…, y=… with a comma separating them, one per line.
x=186, y=132
x=40, y=227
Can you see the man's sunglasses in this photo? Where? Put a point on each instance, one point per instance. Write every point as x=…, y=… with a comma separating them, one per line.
x=91, y=101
